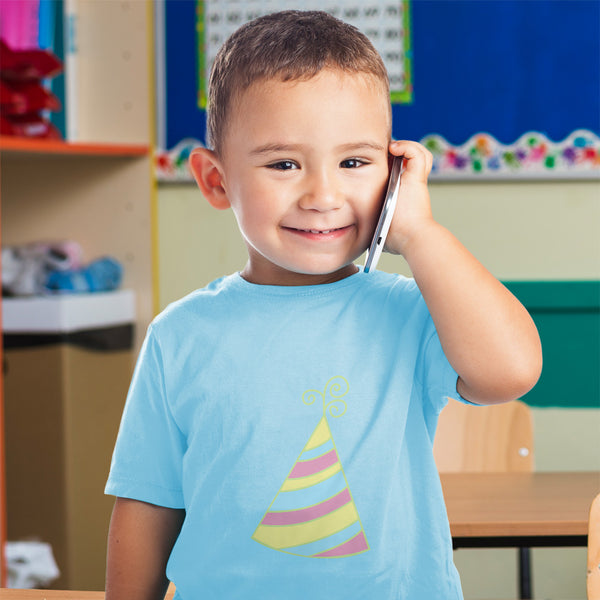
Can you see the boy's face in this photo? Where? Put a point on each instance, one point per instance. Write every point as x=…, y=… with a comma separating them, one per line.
x=304, y=167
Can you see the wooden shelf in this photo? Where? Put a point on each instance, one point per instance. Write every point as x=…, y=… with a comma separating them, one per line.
x=98, y=191
x=26, y=146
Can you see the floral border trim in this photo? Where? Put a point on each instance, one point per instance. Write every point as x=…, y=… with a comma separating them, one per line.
x=172, y=165
x=533, y=156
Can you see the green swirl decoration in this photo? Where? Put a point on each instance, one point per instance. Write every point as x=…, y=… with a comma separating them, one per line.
x=335, y=389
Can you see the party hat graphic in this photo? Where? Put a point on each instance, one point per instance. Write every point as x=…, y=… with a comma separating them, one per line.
x=313, y=513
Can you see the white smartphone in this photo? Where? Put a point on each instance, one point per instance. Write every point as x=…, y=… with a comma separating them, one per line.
x=387, y=213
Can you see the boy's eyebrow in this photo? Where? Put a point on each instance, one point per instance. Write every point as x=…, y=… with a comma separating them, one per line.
x=267, y=148
x=351, y=146
x=366, y=145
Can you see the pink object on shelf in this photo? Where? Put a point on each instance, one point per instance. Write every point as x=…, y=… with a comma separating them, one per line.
x=19, y=26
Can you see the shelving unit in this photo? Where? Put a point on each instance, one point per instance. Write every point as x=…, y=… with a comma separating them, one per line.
x=100, y=197
x=26, y=146
x=97, y=190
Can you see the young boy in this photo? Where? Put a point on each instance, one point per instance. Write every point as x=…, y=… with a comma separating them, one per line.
x=277, y=437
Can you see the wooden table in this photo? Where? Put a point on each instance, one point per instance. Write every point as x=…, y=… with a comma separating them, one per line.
x=6, y=594
x=519, y=509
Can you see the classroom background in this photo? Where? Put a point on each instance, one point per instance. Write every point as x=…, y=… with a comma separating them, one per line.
x=505, y=93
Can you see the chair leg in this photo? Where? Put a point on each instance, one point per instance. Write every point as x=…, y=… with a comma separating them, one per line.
x=525, y=584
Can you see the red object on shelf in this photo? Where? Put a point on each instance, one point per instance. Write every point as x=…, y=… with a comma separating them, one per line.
x=31, y=125
x=22, y=97
x=28, y=64
x=10, y=99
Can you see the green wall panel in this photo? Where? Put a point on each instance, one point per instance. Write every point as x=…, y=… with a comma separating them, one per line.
x=567, y=315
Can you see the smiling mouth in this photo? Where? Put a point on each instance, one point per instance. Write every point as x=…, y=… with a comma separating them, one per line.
x=317, y=231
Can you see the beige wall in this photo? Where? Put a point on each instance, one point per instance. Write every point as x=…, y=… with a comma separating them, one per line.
x=518, y=230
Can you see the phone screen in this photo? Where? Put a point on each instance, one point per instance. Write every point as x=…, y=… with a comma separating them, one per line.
x=387, y=213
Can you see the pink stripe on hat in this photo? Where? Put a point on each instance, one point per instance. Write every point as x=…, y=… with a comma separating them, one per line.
x=356, y=545
x=310, y=467
x=302, y=515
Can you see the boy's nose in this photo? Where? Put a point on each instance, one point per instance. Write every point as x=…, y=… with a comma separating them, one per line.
x=321, y=193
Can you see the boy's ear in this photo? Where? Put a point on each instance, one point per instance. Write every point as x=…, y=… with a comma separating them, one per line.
x=206, y=168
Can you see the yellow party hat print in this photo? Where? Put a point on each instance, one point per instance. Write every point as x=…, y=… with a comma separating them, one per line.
x=313, y=513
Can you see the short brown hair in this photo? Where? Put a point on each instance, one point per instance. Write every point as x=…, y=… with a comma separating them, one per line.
x=289, y=45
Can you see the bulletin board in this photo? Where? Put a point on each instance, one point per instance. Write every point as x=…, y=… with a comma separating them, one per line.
x=494, y=88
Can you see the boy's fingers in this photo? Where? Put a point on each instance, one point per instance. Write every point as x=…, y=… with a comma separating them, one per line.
x=418, y=159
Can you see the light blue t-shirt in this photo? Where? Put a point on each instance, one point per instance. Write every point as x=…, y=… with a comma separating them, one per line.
x=295, y=426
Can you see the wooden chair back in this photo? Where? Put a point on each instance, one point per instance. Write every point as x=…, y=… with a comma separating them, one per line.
x=593, y=557
x=496, y=438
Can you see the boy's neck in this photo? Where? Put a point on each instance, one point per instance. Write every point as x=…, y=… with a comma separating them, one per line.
x=290, y=278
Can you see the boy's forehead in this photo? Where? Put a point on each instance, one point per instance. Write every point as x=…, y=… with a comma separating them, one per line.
x=364, y=84
x=267, y=84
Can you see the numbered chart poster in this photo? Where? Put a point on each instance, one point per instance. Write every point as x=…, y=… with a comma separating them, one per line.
x=386, y=24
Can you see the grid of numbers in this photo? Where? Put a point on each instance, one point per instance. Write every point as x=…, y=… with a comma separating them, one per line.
x=386, y=24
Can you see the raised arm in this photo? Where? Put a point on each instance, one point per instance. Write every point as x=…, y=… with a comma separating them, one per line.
x=140, y=540
x=486, y=333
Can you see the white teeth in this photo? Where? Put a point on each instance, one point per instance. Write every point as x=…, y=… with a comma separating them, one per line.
x=316, y=231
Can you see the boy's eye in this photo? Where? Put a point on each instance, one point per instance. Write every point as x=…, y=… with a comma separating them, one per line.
x=352, y=163
x=283, y=165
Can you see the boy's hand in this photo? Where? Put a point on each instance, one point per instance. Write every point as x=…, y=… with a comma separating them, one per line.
x=413, y=209
x=486, y=334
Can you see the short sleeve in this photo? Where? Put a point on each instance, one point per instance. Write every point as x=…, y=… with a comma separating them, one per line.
x=148, y=455
x=437, y=376
x=439, y=379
